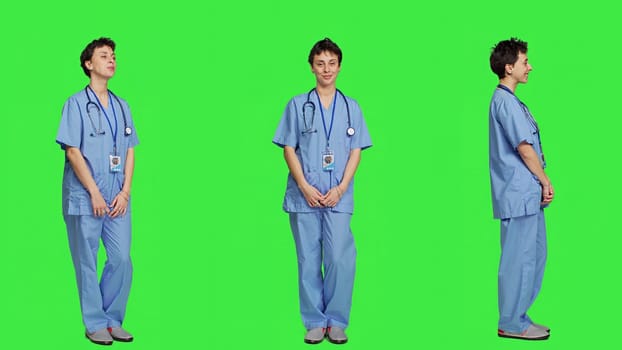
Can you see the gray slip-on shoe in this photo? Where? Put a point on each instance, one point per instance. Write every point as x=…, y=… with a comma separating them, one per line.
x=531, y=333
x=336, y=335
x=101, y=337
x=315, y=335
x=541, y=326
x=120, y=334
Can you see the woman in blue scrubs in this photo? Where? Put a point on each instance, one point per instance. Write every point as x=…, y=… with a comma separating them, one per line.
x=97, y=134
x=322, y=133
x=520, y=191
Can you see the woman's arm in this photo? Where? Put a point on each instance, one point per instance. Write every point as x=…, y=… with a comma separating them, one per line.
x=532, y=161
x=78, y=164
x=312, y=195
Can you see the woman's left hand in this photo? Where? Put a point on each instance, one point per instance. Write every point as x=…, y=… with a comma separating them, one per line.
x=332, y=197
x=119, y=204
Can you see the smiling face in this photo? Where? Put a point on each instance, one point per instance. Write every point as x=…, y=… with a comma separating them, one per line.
x=519, y=71
x=103, y=63
x=326, y=68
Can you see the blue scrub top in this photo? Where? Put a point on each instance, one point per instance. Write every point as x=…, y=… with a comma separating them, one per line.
x=515, y=190
x=76, y=130
x=310, y=146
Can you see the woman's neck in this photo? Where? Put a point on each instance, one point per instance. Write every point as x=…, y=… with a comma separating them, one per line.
x=326, y=94
x=100, y=88
x=510, y=83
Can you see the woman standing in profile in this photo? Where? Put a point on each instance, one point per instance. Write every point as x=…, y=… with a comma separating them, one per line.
x=520, y=192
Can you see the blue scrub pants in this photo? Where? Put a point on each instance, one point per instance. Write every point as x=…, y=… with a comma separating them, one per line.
x=102, y=302
x=323, y=238
x=523, y=256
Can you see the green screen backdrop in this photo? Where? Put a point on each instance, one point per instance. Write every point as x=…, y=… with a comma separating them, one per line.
x=214, y=260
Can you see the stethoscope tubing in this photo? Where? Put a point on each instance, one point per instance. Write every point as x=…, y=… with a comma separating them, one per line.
x=309, y=103
x=126, y=130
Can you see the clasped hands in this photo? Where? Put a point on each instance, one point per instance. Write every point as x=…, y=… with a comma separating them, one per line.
x=547, y=194
x=316, y=199
x=117, y=207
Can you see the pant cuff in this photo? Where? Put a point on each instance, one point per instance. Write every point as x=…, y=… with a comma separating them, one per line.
x=312, y=325
x=333, y=323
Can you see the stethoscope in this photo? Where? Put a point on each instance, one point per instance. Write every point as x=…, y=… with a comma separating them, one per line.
x=310, y=105
x=99, y=130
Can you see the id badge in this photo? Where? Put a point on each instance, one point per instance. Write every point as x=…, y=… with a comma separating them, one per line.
x=328, y=160
x=115, y=164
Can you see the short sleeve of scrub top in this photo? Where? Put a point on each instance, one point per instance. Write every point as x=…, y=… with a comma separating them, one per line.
x=361, y=138
x=132, y=139
x=511, y=115
x=287, y=131
x=71, y=128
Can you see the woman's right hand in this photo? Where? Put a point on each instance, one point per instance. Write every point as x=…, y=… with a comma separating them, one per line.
x=100, y=208
x=312, y=195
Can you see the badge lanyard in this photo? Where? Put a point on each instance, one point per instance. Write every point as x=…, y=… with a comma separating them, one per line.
x=328, y=158
x=530, y=117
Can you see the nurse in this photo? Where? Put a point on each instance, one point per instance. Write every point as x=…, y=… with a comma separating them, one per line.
x=520, y=192
x=97, y=135
x=322, y=133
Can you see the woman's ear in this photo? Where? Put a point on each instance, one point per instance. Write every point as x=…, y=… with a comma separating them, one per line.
x=509, y=68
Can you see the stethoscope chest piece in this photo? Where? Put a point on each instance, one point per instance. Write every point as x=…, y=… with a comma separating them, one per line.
x=350, y=131
x=128, y=131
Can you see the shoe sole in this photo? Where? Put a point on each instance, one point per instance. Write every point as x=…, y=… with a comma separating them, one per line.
x=123, y=340
x=98, y=342
x=335, y=341
x=518, y=336
x=309, y=341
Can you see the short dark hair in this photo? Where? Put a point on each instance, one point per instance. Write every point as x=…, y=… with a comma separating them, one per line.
x=88, y=51
x=506, y=52
x=324, y=45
